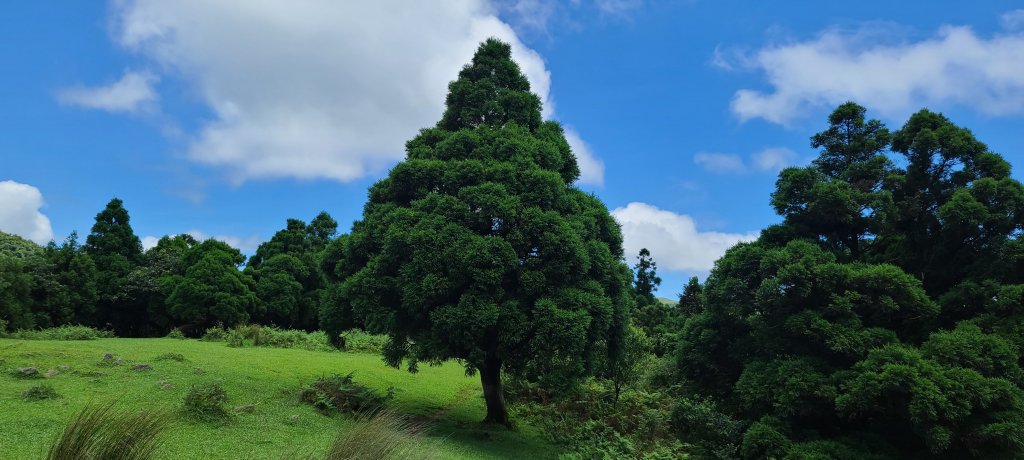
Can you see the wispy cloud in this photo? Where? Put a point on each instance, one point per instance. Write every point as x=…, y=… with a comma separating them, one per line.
x=771, y=159
x=132, y=93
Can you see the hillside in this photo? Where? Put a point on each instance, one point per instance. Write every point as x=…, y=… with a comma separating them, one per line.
x=268, y=378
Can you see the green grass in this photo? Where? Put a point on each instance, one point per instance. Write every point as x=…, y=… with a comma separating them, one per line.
x=270, y=379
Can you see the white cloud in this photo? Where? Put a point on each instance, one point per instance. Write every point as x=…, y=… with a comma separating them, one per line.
x=673, y=239
x=955, y=67
x=720, y=162
x=771, y=159
x=149, y=242
x=591, y=167
x=1012, y=20
x=320, y=88
x=132, y=93
x=19, y=212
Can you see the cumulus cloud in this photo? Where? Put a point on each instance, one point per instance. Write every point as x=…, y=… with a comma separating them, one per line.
x=19, y=212
x=771, y=159
x=954, y=67
x=132, y=93
x=673, y=239
x=591, y=167
x=315, y=89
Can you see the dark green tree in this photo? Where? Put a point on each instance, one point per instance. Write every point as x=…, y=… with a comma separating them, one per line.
x=287, y=271
x=691, y=301
x=65, y=285
x=116, y=251
x=213, y=290
x=647, y=279
x=148, y=282
x=820, y=352
x=478, y=248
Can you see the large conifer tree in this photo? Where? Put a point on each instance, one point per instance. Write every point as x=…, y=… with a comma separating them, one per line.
x=478, y=248
x=117, y=251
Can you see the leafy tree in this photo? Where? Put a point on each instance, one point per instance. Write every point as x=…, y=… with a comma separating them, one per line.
x=212, y=290
x=148, y=282
x=15, y=246
x=289, y=280
x=116, y=251
x=15, y=294
x=478, y=247
x=18, y=256
x=64, y=285
x=821, y=352
x=839, y=201
x=647, y=279
x=691, y=301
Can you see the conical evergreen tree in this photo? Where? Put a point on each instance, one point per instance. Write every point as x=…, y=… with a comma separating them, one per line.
x=478, y=248
x=116, y=251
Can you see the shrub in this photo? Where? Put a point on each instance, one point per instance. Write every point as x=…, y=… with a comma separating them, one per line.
x=701, y=423
x=176, y=334
x=236, y=339
x=3, y=327
x=591, y=424
x=382, y=434
x=215, y=334
x=206, y=402
x=39, y=393
x=360, y=341
x=106, y=433
x=340, y=393
x=62, y=333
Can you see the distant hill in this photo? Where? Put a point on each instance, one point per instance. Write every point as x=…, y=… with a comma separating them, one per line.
x=669, y=302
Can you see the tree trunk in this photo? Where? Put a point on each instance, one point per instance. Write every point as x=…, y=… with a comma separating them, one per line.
x=494, y=394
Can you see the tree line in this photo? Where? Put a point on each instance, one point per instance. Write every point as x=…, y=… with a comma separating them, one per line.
x=883, y=318
x=109, y=282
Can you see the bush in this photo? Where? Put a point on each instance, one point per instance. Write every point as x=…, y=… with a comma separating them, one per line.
x=3, y=327
x=591, y=424
x=176, y=334
x=340, y=393
x=62, y=333
x=39, y=393
x=359, y=341
x=105, y=433
x=215, y=334
x=699, y=422
x=379, y=435
x=206, y=402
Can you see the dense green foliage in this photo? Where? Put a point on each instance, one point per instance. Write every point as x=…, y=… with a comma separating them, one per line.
x=478, y=247
x=880, y=319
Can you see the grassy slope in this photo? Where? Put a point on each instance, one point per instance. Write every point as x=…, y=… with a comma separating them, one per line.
x=267, y=377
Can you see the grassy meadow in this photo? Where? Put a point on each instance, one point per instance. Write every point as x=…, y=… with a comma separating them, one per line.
x=263, y=384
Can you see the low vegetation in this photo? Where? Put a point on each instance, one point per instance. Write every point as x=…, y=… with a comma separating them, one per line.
x=107, y=432
x=66, y=332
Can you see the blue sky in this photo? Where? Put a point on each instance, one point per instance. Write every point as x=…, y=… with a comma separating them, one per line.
x=225, y=118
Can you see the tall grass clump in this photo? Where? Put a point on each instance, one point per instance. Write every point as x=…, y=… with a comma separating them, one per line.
x=61, y=333
x=101, y=433
x=359, y=341
x=206, y=403
x=382, y=435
